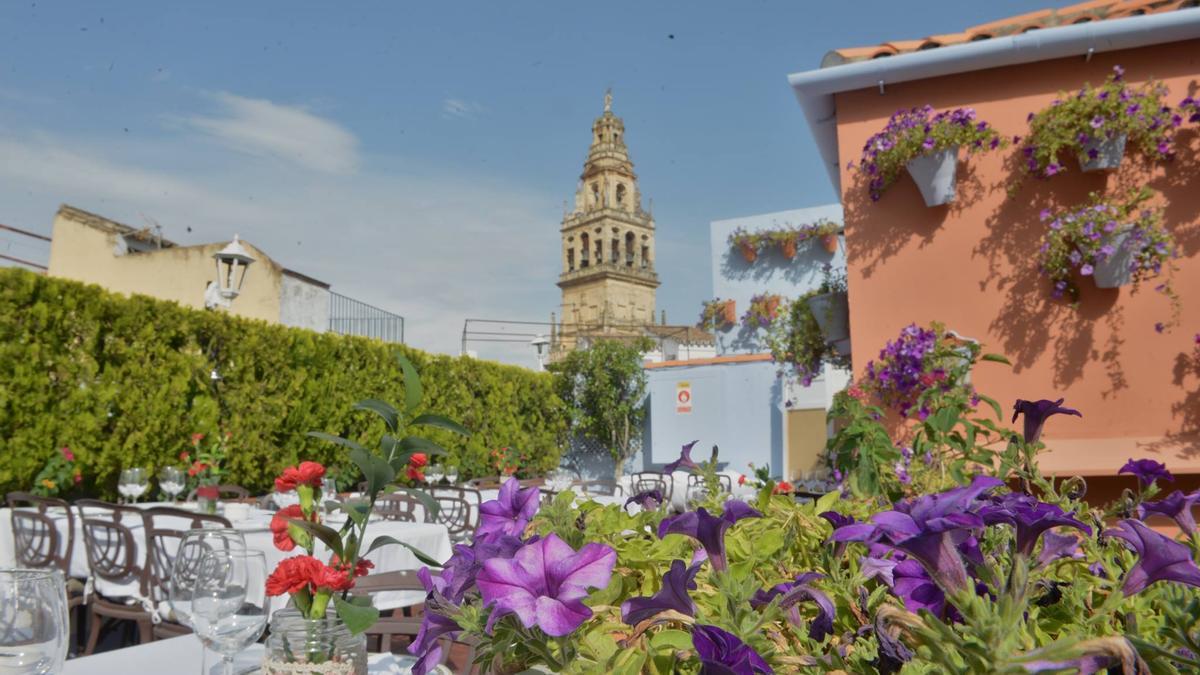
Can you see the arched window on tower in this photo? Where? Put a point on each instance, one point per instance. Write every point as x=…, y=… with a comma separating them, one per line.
x=620, y=194
x=583, y=250
x=571, y=260
x=596, y=194
x=645, y=256
x=599, y=250
x=615, y=250
x=629, y=244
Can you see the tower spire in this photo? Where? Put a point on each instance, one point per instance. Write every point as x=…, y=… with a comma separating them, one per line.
x=608, y=100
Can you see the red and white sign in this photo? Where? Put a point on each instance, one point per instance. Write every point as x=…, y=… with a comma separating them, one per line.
x=683, y=397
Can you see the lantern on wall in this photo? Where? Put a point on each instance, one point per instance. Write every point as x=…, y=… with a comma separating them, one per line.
x=232, y=263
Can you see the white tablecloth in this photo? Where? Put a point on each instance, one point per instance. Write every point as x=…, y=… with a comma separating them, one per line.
x=181, y=656
x=679, y=481
x=431, y=539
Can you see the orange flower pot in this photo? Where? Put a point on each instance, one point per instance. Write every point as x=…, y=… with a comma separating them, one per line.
x=830, y=242
x=789, y=248
x=748, y=252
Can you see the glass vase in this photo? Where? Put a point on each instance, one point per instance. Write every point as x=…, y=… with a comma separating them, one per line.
x=300, y=646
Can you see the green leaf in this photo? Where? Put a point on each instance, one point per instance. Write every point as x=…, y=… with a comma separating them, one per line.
x=390, y=415
x=671, y=639
x=344, y=442
x=356, y=510
x=356, y=617
x=375, y=470
x=993, y=404
x=441, y=422
x=998, y=358
x=387, y=541
x=411, y=444
x=827, y=500
x=413, y=391
x=326, y=534
x=431, y=504
x=628, y=662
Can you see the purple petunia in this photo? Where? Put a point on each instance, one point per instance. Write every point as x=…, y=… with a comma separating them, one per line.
x=685, y=460
x=545, y=583
x=1036, y=412
x=1177, y=506
x=1159, y=558
x=509, y=512
x=1147, y=471
x=792, y=592
x=648, y=500
x=724, y=653
x=708, y=529
x=673, y=595
x=1029, y=517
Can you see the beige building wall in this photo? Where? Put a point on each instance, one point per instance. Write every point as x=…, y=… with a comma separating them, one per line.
x=807, y=431
x=90, y=249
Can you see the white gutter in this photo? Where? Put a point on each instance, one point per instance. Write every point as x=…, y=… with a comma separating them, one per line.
x=815, y=88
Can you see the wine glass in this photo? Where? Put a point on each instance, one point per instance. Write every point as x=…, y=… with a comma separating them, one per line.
x=33, y=612
x=433, y=475
x=171, y=480
x=133, y=483
x=452, y=474
x=229, y=602
x=185, y=568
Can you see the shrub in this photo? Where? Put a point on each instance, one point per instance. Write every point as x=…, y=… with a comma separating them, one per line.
x=124, y=381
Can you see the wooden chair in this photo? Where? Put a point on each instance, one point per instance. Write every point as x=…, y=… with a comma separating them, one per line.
x=652, y=480
x=399, y=506
x=458, y=510
x=162, y=541
x=696, y=487
x=224, y=492
x=405, y=622
x=113, y=556
x=39, y=544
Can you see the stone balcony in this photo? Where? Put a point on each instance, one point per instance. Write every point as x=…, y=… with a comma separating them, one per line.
x=644, y=275
x=638, y=217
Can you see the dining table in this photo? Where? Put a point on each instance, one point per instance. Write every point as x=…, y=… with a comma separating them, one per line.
x=432, y=539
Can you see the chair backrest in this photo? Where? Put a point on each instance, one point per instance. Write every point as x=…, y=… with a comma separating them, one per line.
x=398, y=506
x=163, y=535
x=38, y=537
x=112, y=551
x=696, y=488
x=608, y=488
x=652, y=480
x=224, y=492
x=458, y=510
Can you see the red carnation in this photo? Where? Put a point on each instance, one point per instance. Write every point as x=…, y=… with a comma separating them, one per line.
x=783, y=487
x=67, y=454
x=293, y=575
x=279, y=526
x=741, y=480
x=185, y=456
x=196, y=438
x=196, y=468
x=308, y=473
x=418, y=460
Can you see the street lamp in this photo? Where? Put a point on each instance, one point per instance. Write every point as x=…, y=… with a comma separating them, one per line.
x=232, y=263
x=540, y=343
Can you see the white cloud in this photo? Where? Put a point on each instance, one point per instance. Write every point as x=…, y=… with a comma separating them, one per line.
x=260, y=127
x=454, y=107
x=436, y=248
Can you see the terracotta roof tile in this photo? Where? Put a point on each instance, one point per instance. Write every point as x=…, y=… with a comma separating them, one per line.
x=1091, y=10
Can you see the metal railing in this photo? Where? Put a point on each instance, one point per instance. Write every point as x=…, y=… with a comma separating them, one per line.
x=348, y=316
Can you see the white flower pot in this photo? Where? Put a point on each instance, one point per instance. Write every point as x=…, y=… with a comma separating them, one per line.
x=935, y=175
x=1109, y=152
x=1115, y=270
x=832, y=312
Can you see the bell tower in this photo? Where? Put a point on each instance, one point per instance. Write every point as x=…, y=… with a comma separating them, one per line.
x=608, y=280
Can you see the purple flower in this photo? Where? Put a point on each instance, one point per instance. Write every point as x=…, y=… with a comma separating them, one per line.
x=685, y=460
x=1177, y=506
x=928, y=143
x=1159, y=558
x=1133, y=108
x=1147, y=471
x=649, y=500
x=1055, y=546
x=836, y=519
x=722, y=653
x=427, y=644
x=708, y=529
x=1036, y=412
x=1086, y=269
x=916, y=589
x=1097, y=122
x=1029, y=517
x=458, y=576
x=509, y=512
x=795, y=591
x=1118, y=73
x=545, y=583
x=930, y=529
x=1044, y=215
x=1053, y=168
x=673, y=595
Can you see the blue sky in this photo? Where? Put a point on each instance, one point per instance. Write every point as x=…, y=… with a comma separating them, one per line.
x=416, y=155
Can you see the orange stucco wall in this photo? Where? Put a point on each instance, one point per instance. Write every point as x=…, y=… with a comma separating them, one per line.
x=973, y=265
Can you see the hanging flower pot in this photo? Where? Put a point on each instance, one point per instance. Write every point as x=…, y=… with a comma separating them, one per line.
x=788, y=246
x=832, y=312
x=749, y=252
x=935, y=175
x=717, y=314
x=1102, y=154
x=729, y=312
x=763, y=310
x=1115, y=270
x=830, y=242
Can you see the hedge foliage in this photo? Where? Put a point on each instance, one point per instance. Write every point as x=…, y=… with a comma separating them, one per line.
x=125, y=381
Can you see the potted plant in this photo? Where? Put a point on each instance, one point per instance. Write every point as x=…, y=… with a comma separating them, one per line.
x=717, y=314
x=831, y=310
x=58, y=475
x=763, y=309
x=927, y=146
x=827, y=232
x=787, y=239
x=205, y=471
x=1114, y=241
x=1095, y=124
x=797, y=342
x=746, y=242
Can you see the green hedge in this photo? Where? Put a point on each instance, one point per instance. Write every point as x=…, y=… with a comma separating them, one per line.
x=124, y=381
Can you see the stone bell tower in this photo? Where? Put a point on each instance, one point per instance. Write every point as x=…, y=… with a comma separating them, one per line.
x=608, y=279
